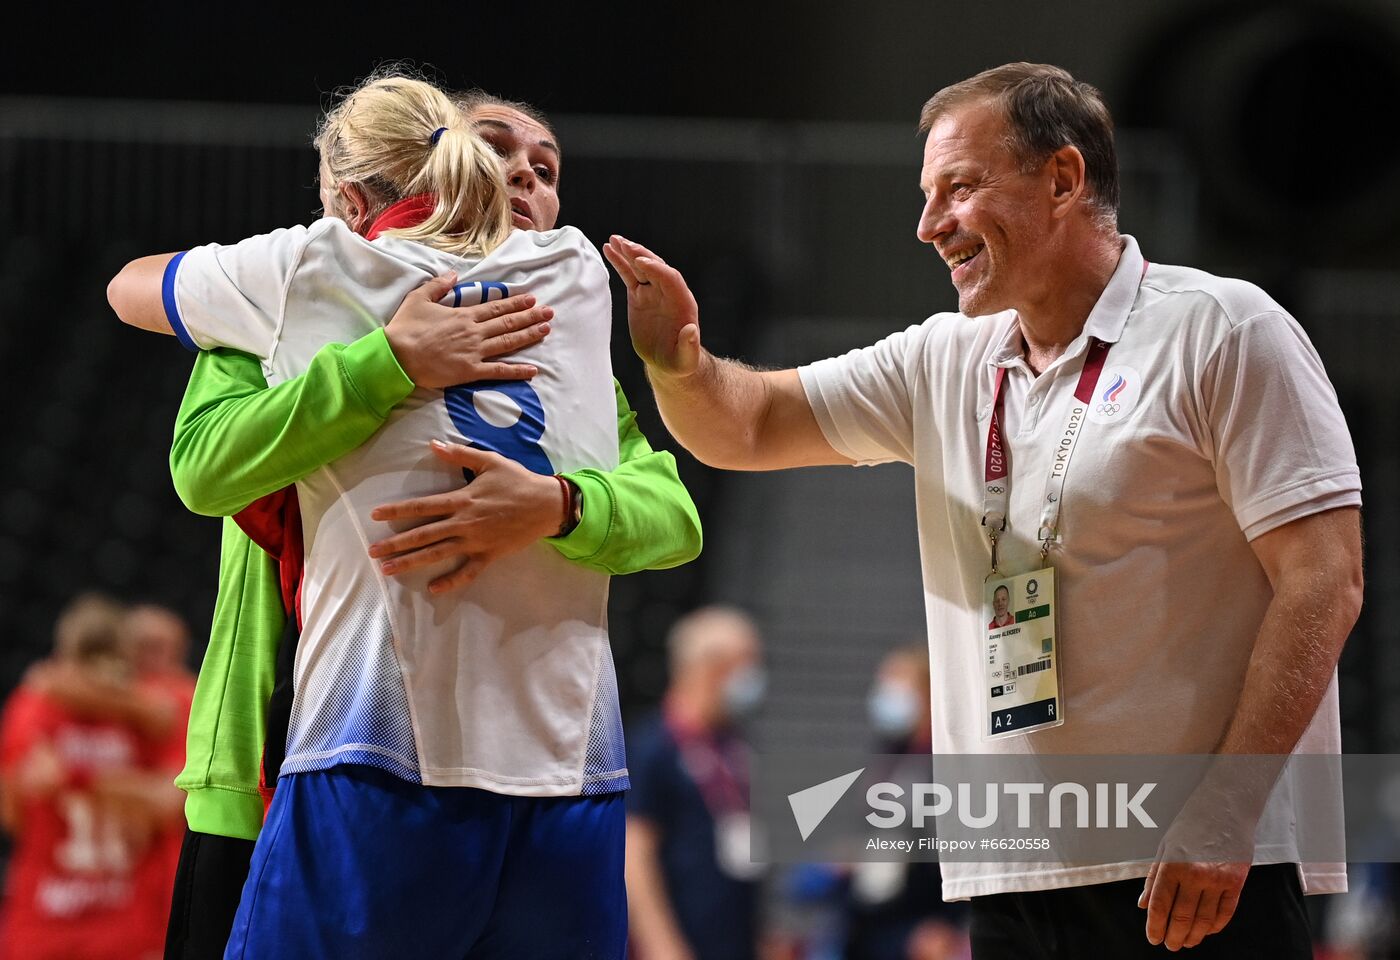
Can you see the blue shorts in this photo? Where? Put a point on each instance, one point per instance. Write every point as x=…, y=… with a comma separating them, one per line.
x=355, y=862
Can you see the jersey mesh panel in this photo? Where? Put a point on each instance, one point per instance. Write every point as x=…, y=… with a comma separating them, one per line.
x=355, y=708
x=605, y=762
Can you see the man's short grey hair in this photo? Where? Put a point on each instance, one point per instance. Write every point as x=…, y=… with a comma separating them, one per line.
x=704, y=632
x=1045, y=109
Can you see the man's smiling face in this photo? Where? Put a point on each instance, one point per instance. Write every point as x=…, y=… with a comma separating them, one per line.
x=984, y=214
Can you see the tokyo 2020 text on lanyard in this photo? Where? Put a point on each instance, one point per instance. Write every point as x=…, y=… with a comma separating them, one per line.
x=996, y=489
x=1022, y=691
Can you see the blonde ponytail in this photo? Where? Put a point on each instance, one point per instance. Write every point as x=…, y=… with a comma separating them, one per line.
x=397, y=136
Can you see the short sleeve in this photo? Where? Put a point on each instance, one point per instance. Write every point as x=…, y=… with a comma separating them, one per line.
x=1281, y=447
x=649, y=771
x=20, y=726
x=231, y=296
x=862, y=400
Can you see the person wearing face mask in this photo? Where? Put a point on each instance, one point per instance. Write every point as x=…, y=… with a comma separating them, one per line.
x=691, y=890
x=898, y=705
x=894, y=910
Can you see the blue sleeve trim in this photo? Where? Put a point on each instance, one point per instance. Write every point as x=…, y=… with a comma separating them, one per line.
x=172, y=312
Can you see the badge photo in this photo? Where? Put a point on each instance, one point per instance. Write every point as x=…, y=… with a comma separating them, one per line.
x=1020, y=656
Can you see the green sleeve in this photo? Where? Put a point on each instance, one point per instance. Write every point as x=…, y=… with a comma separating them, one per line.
x=223, y=747
x=637, y=517
x=237, y=440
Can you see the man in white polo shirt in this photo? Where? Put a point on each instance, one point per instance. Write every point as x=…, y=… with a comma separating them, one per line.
x=1166, y=432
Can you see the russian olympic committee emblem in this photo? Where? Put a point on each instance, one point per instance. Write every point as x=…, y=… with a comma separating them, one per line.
x=1116, y=395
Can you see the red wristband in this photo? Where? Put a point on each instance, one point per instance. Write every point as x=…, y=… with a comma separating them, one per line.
x=567, y=525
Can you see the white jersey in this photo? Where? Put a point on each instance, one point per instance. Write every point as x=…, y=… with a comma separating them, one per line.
x=507, y=685
x=1213, y=423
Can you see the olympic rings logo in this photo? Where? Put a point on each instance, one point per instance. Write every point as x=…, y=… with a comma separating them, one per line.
x=997, y=490
x=1108, y=409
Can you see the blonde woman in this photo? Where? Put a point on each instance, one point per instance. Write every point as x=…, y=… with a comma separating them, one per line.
x=453, y=762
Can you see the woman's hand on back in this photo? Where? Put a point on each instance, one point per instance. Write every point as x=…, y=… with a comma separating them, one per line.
x=440, y=346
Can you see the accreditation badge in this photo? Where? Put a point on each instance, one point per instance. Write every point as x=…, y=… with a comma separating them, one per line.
x=734, y=847
x=1021, y=657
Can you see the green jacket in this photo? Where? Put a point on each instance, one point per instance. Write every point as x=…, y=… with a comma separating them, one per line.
x=237, y=440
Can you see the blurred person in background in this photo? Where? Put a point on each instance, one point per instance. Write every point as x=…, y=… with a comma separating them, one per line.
x=1364, y=924
x=895, y=909
x=898, y=707
x=882, y=909
x=692, y=891
x=85, y=794
x=157, y=642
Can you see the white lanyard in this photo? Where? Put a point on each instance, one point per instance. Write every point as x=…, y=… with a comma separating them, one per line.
x=996, y=486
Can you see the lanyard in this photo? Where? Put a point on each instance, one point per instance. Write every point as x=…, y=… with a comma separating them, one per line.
x=718, y=765
x=995, y=495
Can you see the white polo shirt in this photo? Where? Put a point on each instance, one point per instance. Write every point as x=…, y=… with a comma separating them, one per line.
x=1213, y=422
x=507, y=684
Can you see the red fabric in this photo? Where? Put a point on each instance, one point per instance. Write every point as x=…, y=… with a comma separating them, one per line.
x=408, y=212
x=274, y=523
x=82, y=873
x=265, y=790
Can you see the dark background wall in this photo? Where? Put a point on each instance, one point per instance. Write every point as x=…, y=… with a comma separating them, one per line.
x=768, y=149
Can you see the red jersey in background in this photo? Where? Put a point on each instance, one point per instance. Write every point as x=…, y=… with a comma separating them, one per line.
x=81, y=876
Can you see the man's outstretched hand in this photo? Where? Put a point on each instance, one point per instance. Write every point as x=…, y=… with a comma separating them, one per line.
x=503, y=510
x=661, y=311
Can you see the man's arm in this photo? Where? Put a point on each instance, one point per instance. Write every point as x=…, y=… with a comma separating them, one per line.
x=1314, y=566
x=237, y=440
x=728, y=415
x=650, y=917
